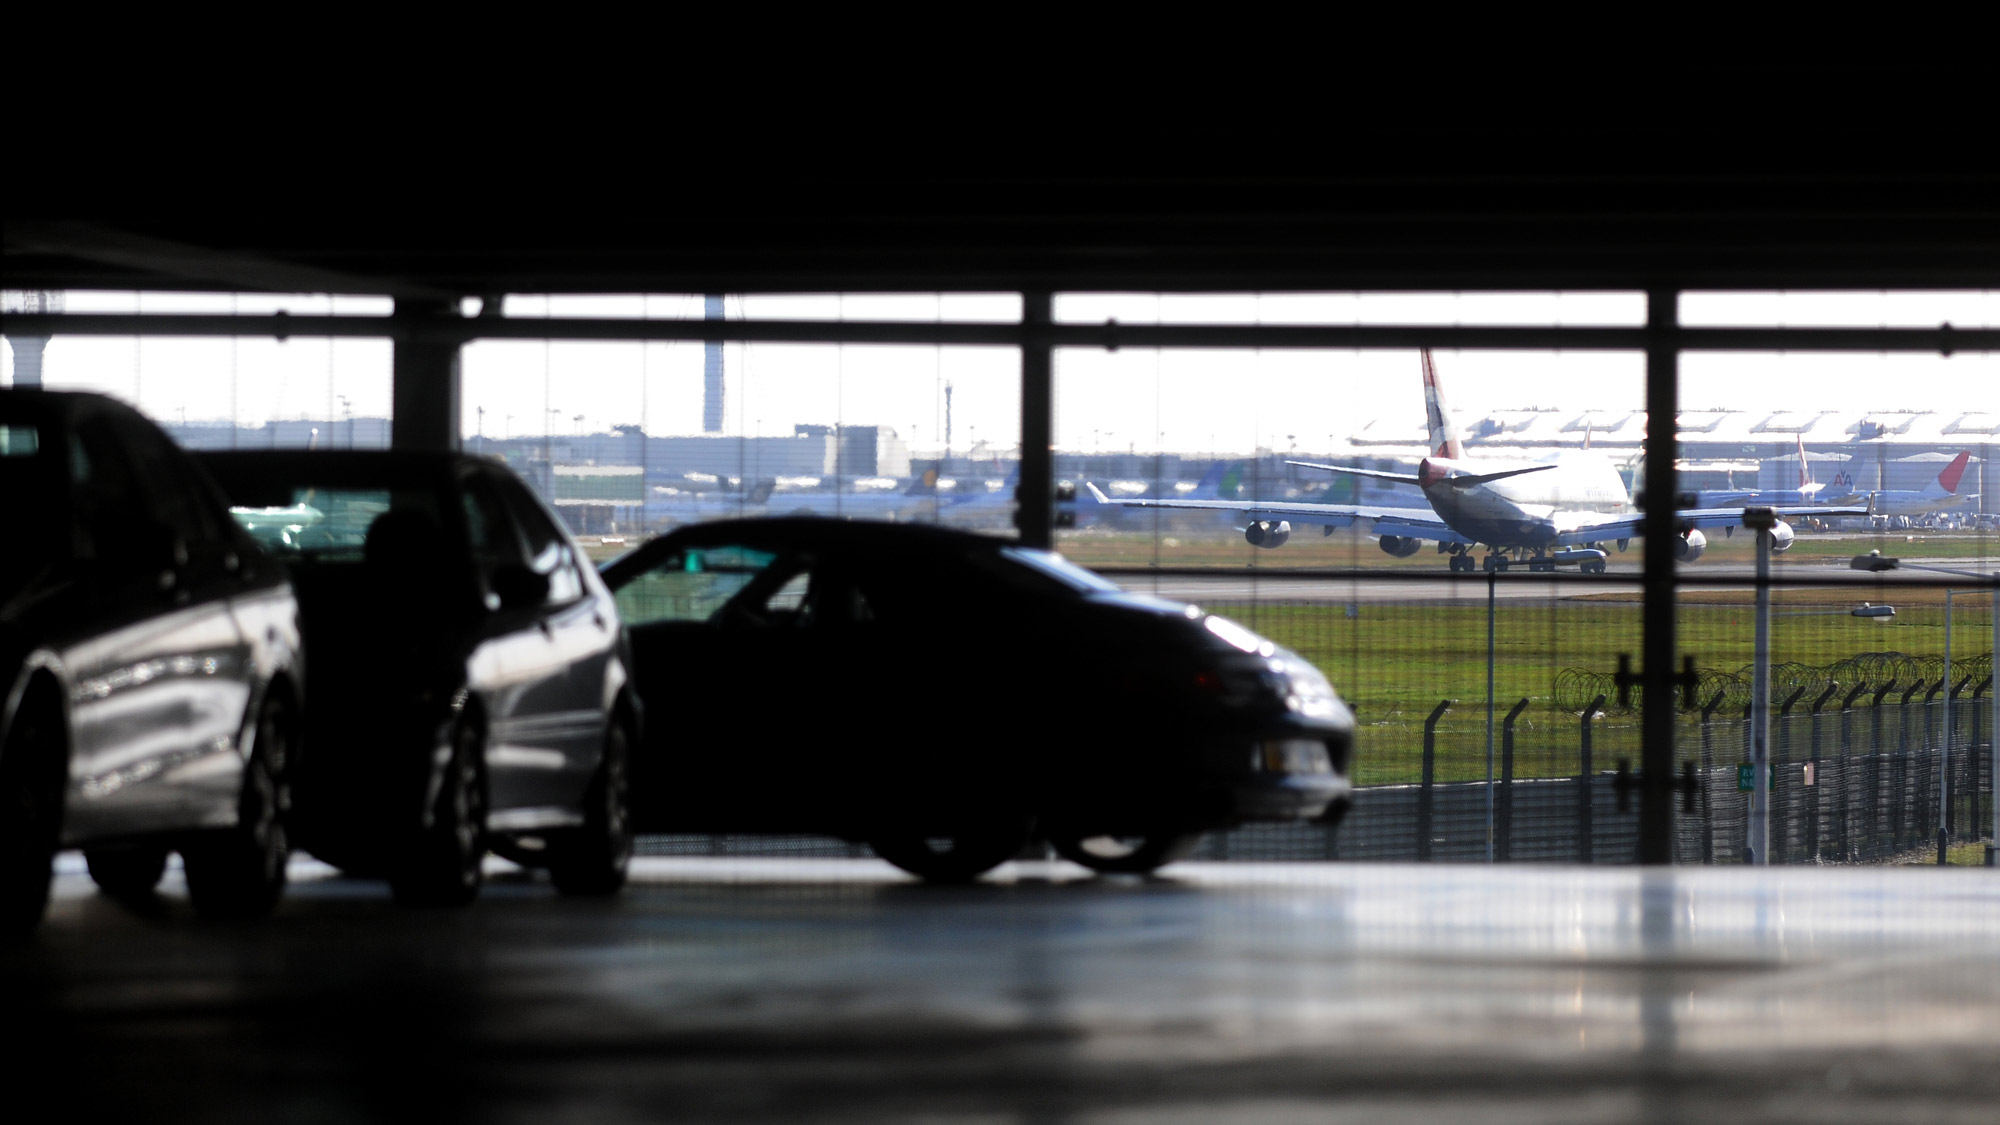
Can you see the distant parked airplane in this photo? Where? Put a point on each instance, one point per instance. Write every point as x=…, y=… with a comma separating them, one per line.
x=1922, y=505
x=1558, y=510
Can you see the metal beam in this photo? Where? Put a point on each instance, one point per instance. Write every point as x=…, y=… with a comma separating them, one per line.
x=456, y=329
x=424, y=413
x=1657, y=648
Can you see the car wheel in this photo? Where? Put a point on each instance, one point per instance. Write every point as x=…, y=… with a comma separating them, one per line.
x=959, y=858
x=126, y=872
x=592, y=859
x=240, y=872
x=32, y=765
x=442, y=864
x=1126, y=855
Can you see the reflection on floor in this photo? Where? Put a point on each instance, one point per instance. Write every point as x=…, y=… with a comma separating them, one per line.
x=789, y=989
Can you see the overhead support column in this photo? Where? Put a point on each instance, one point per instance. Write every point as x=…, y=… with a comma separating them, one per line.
x=425, y=396
x=1656, y=732
x=1035, y=513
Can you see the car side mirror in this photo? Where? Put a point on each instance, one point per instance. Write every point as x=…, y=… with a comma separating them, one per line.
x=518, y=587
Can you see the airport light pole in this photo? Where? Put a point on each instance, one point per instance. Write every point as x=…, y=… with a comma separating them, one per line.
x=1875, y=562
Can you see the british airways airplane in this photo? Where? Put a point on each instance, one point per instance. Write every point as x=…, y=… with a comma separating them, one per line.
x=1559, y=509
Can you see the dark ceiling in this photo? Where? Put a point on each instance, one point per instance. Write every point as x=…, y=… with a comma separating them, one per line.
x=1577, y=180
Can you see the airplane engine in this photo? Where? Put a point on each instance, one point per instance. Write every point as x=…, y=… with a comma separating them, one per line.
x=1690, y=545
x=1400, y=546
x=1781, y=538
x=1268, y=533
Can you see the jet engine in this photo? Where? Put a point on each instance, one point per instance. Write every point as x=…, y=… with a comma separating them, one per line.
x=1781, y=537
x=1268, y=533
x=1400, y=546
x=1691, y=544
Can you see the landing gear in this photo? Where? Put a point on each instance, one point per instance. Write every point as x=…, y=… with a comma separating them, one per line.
x=1461, y=563
x=1496, y=563
x=1592, y=568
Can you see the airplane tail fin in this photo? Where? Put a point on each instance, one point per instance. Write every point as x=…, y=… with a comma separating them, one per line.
x=1445, y=441
x=761, y=491
x=1805, y=466
x=1947, y=481
x=924, y=485
x=1209, y=487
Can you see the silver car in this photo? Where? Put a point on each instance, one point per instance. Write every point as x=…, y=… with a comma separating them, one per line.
x=150, y=664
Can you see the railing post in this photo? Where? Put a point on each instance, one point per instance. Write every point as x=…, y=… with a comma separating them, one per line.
x=1585, y=845
x=1504, y=815
x=1424, y=793
x=1847, y=840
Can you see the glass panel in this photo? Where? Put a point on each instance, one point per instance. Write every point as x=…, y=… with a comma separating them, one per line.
x=231, y=393
x=628, y=440
x=1574, y=308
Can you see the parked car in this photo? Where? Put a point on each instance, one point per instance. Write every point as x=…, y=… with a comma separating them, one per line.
x=470, y=685
x=949, y=697
x=150, y=670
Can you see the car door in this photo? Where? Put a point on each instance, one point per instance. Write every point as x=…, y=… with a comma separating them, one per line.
x=726, y=683
x=584, y=632
x=161, y=691
x=545, y=729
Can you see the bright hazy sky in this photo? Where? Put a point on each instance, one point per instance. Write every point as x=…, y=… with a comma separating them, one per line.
x=1188, y=401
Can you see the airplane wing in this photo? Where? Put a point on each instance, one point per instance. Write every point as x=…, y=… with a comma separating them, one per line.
x=1583, y=527
x=1460, y=482
x=1418, y=523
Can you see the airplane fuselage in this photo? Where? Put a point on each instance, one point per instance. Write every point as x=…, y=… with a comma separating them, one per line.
x=1530, y=510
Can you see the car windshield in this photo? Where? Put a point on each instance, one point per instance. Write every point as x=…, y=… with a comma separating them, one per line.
x=327, y=524
x=1051, y=565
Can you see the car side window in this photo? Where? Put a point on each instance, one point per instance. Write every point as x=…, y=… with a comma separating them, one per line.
x=174, y=495
x=691, y=584
x=109, y=504
x=488, y=528
x=548, y=547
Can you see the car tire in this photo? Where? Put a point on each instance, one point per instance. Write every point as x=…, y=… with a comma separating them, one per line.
x=958, y=858
x=592, y=860
x=126, y=872
x=442, y=865
x=32, y=768
x=1126, y=855
x=240, y=872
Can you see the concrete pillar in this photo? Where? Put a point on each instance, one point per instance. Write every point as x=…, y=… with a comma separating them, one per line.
x=28, y=359
x=425, y=396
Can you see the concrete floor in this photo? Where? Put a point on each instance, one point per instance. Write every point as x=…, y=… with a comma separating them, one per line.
x=804, y=990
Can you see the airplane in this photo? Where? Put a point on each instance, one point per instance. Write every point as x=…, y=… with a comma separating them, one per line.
x=1907, y=506
x=1806, y=493
x=1556, y=511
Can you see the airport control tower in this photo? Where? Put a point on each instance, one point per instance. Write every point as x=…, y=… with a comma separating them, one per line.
x=711, y=372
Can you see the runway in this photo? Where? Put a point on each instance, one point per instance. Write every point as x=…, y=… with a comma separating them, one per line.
x=1405, y=585
x=837, y=990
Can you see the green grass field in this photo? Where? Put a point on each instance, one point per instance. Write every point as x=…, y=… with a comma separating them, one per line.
x=1394, y=662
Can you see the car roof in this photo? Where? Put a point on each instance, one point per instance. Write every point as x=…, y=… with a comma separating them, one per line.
x=792, y=532
x=62, y=407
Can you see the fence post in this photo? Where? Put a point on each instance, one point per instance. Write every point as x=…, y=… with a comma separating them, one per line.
x=1424, y=794
x=1881, y=802
x=1978, y=716
x=1707, y=769
x=1811, y=793
x=1504, y=814
x=1584, y=844
x=1848, y=843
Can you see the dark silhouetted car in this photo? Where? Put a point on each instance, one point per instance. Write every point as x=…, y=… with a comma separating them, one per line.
x=470, y=678
x=949, y=697
x=149, y=666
